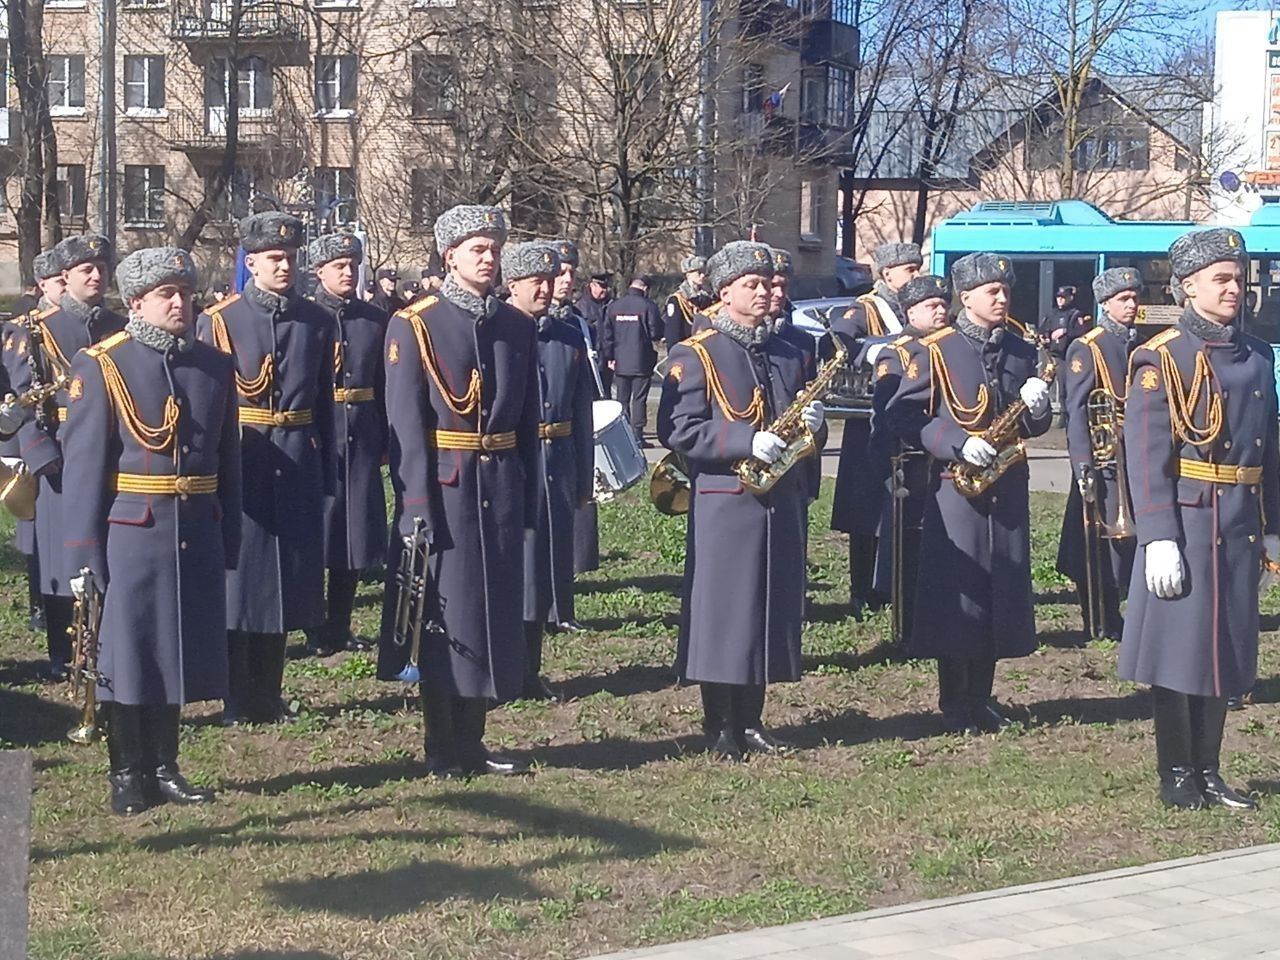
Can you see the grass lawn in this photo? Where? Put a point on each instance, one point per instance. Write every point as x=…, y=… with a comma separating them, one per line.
x=326, y=843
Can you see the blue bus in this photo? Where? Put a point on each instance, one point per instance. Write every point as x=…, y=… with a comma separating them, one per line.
x=1071, y=242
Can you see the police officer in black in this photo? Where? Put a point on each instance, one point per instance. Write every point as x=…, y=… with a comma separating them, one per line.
x=386, y=297
x=690, y=299
x=42, y=347
x=632, y=324
x=356, y=516
x=1059, y=328
x=592, y=304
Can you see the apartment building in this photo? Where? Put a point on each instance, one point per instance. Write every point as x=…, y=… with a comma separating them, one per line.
x=629, y=124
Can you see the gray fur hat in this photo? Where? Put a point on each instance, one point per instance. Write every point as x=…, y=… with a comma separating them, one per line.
x=895, y=255
x=922, y=288
x=737, y=259
x=74, y=251
x=537, y=258
x=1116, y=280
x=270, y=230
x=334, y=246
x=568, y=251
x=975, y=269
x=148, y=268
x=783, y=262
x=466, y=220
x=45, y=265
x=693, y=264
x=1196, y=250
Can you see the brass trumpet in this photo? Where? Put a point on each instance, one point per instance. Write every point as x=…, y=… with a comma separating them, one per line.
x=86, y=621
x=411, y=598
x=669, y=485
x=1106, y=449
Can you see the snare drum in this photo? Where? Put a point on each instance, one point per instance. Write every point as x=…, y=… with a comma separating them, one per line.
x=619, y=460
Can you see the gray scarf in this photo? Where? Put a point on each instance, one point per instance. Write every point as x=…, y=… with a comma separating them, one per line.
x=975, y=332
x=86, y=313
x=1206, y=330
x=329, y=300
x=1125, y=334
x=561, y=311
x=466, y=301
x=161, y=341
x=275, y=302
x=749, y=337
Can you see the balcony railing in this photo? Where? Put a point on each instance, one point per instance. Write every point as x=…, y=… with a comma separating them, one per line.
x=264, y=22
x=829, y=41
x=195, y=134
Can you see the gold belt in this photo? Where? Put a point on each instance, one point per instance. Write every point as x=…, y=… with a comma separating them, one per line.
x=464, y=440
x=554, y=431
x=1218, y=472
x=165, y=485
x=352, y=394
x=62, y=414
x=278, y=418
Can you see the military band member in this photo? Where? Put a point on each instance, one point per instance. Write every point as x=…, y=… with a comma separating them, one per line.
x=894, y=450
x=565, y=467
x=744, y=577
x=780, y=311
x=356, y=516
x=462, y=401
x=152, y=450
x=283, y=348
x=1099, y=360
x=586, y=520
x=592, y=305
x=1204, y=471
x=632, y=325
x=855, y=505
x=975, y=553
x=690, y=299
x=78, y=320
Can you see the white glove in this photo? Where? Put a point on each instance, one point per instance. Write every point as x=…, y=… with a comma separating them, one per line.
x=977, y=452
x=10, y=415
x=814, y=415
x=1163, y=561
x=767, y=447
x=874, y=351
x=1271, y=546
x=1035, y=394
x=77, y=587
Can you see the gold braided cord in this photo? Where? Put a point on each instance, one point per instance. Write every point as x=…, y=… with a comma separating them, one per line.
x=754, y=411
x=155, y=439
x=966, y=417
x=57, y=359
x=875, y=324
x=1182, y=406
x=1104, y=374
x=462, y=406
x=337, y=356
x=249, y=389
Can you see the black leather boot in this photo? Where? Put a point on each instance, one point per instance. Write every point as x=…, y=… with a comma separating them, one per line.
x=161, y=728
x=715, y=708
x=34, y=598
x=266, y=660
x=126, y=751
x=236, y=706
x=535, y=688
x=1179, y=783
x=862, y=572
x=438, y=738
x=728, y=741
x=58, y=616
x=342, y=601
x=981, y=678
x=953, y=696
x=474, y=757
x=1208, y=717
x=755, y=738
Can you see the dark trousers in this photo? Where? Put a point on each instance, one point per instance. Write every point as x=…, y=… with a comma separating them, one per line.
x=964, y=685
x=256, y=676
x=141, y=738
x=342, y=600
x=862, y=568
x=453, y=728
x=633, y=393
x=57, y=621
x=1188, y=730
x=731, y=706
x=34, y=598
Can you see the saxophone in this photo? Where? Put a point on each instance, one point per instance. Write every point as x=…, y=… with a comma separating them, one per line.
x=1002, y=434
x=757, y=476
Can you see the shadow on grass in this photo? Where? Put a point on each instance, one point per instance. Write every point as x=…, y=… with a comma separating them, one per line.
x=623, y=682
x=657, y=583
x=670, y=621
x=27, y=720
x=383, y=894
x=274, y=955
x=1064, y=595
x=1063, y=639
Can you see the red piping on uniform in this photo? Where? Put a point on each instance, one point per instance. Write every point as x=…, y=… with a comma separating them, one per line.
x=1217, y=681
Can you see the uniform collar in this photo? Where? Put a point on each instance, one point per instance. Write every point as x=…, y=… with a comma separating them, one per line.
x=889, y=296
x=466, y=301
x=1206, y=330
x=1118, y=330
x=84, y=312
x=275, y=302
x=979, y=333
x=329, y=300
x=560, y=311
x=690, y=292
x=749, y=337
x=161, y=341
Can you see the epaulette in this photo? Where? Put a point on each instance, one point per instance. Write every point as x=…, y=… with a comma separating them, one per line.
x=1092, y=335
x=47, y=312
x=1162, y=338
x=109, y=344
x=901, y=340
x=937, y=336
x=418, y=307
x=1017, y=325
x=223, y=303
x=700, y=336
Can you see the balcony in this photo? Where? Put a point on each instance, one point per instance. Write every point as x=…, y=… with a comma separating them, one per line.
x=830, y=42
x=268, y=23
x=206, y=135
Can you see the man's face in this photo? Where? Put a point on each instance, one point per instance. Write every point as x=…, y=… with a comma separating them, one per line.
x=475, y=260
x=272, y=270
x=387, y=285
x=531, y=294
x=747, y=298
x=1064, y=300
x=1215, y=291
x=51, y=289
x=898, y=277
x=339, y=276
x=86, y=281
x=169, y=306
x=778, y=294
x=563, y=286
x=987, y=304
x=599, y=290
x=1123, y=307
x=928, y=316
x=696, y=278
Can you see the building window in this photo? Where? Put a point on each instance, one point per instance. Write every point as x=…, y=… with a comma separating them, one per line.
x=144, y=4
x=71, y=195
x=144, y=194
x=65, y=4
x=66, y=84
x=639, y=79
x=143, y=85
x=839, y=96
x=426, y=198
x=435, y=80
x=336, y=195
x=335, y=83
x=810, y=211
x=236, y=200
x=1118, y=148
x=254, y=84
x=752, y=88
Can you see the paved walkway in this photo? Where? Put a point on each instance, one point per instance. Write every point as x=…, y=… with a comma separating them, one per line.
x=1217, y=906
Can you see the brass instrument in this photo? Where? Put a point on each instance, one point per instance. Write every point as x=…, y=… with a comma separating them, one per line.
x=669, y=485
x=850, y=394
x=86, y=621
x=760, y=477
x=1002, y=433
x=1106, y=448
x=411, y=598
